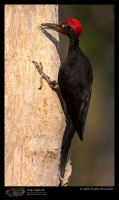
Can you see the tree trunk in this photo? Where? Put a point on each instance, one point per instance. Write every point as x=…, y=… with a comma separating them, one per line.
x=34, y=120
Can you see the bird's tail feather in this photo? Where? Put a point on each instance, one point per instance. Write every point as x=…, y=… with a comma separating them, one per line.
x=66, y=143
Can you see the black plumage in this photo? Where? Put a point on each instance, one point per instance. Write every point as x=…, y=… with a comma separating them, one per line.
x=75, y=79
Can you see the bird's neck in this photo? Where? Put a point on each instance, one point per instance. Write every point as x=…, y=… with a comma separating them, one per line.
x=74, y=44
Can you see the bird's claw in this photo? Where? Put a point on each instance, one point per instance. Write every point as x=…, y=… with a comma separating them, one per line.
x=39, y=67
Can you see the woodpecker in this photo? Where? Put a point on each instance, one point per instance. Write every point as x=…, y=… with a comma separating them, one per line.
x=75, y=80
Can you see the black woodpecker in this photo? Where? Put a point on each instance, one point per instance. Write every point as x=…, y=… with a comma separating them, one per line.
x=75, y=80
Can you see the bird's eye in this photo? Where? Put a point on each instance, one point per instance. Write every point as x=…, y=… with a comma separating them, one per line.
x=63, y=25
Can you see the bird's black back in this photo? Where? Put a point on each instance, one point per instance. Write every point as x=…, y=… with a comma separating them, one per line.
x=75, y=81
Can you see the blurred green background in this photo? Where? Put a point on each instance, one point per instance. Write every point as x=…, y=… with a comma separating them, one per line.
x=93, y=159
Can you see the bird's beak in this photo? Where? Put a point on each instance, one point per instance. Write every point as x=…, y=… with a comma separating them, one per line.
x=51, y=26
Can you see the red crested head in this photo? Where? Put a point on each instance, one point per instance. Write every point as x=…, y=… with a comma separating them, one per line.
x=74, y=23
x=65, y=27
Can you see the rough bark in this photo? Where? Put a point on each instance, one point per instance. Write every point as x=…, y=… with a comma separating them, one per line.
x=34, y=120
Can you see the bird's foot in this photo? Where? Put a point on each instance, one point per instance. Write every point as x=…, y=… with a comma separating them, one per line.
x=53, y=84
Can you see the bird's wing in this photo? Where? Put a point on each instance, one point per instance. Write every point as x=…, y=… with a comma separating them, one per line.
x=77, y=103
